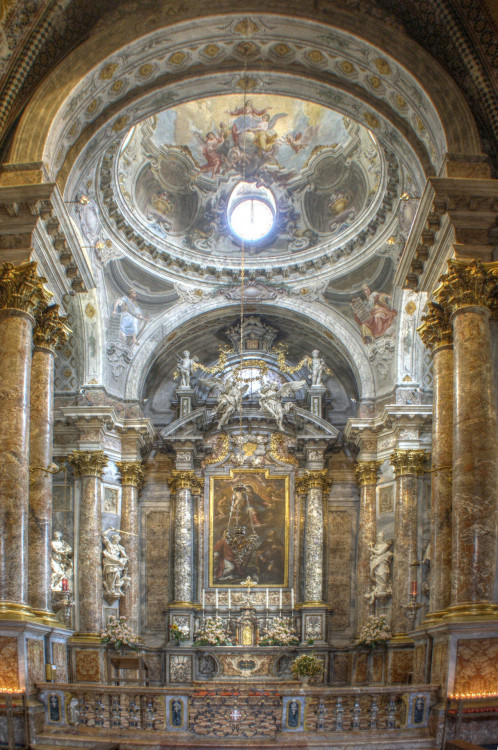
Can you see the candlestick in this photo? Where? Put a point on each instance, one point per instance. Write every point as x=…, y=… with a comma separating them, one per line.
x=216, y=598
x=64, y=584
x=229, y=599
x=267, y=599
x=292, y=598
x=280, y=599
x=414, y=588
x=203, y=599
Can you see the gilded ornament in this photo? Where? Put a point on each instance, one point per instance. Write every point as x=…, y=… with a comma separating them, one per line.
x=247, y=83
x=383, y=66
x=185, y=480
x=88, y=463
x=279, y=450
x=132, y=472
x=436, y=329
x=92, y=106
x=246, y=27
x=409, y=462
x=177, y=58
x=221, y=450
x=371, y=120
x=313, y=480
x=468, y=284
x=22, y=289
x=281, y=350
x=120, y=123
x=108, y=71
x=117, y=85
x=366, y=472
x=282, y=49
x=316, y=57
x=50, y=330
x=348, y=67
x=145, y=70
x=211, y=50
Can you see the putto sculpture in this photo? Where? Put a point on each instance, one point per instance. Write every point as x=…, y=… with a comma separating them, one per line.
x=114, y=567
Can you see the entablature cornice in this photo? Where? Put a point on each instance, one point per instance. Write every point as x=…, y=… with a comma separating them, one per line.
x=377, y=436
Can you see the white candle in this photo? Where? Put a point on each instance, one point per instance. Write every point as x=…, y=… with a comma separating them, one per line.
x=292, y=598
x=203, y=599
x=216, y=598
x=267, y=599
x=229, y=598
x=280, y=599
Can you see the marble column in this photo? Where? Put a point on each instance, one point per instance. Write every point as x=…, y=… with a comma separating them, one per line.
x=21, y=294
x=184, y=484
x=131, y=479
x=89, y=465
x=50, y=331
x=436, y=333
x=366, y=476
x=313, y=484
x=407, y=464
x=467, y=291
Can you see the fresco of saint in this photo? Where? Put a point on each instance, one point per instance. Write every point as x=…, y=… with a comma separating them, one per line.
x=373, y=312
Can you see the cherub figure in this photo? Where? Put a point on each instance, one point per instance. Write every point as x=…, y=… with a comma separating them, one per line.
x=186, y=365
x=270, y=399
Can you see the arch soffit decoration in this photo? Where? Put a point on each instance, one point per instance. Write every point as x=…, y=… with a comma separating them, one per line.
x=113, y=80
x=161, y=333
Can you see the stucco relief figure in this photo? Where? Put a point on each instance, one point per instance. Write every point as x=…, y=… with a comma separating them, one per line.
x=131, y=315
x=270, y=399
x=61, y=563
x=185, y=368
x=114, y=567
x=380, y=570
x=373, y=312
x=230, y=398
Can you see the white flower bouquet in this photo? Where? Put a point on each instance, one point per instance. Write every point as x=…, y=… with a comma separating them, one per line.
x=280, y=633
x=212, y=634
x=374, y=632
x=118, y=634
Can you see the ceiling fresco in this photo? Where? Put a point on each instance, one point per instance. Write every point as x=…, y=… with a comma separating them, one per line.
x=323, y=172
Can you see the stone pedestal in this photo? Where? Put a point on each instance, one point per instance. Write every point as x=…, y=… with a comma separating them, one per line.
x=315, y=399
x=88, y=465
x=437, y=335
x=50, y=331
x=185, y=399
x=408, y=464
x=366, y=476
x=21, y=295
x=131, y=480
x=466, y=292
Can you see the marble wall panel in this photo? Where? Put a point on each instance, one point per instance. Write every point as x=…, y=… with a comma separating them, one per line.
x=180, y=668
x=9, y=673
x=377, y=666
x=157, y=553
x=439, y=668
x=154, y=662
x=339, y=573
x=341, y=667
x=360, y=677
x=59, y=658
x=419, y=663
x=401, y=666
x=87, y=665
x=476, y=665
x=35, y=649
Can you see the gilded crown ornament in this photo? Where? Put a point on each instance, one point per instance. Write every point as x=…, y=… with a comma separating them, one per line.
x=436, y=330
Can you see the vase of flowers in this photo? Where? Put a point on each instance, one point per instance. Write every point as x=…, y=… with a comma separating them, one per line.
x=305, y=667
x=118, y=635
x=280, y=632
x=178, y=633
x=374, y=632
x=213, y=633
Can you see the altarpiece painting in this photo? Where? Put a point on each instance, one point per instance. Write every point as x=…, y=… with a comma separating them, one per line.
x=257, y=503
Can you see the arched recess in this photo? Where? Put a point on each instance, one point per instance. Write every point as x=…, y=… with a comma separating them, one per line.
x=93, y=83
x=335, y=327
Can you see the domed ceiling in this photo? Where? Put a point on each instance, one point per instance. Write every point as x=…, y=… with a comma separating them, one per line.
x=285, y=180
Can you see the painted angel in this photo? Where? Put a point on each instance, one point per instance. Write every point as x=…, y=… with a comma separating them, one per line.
x=271, y=395
x=230, y=398
x=303, y=135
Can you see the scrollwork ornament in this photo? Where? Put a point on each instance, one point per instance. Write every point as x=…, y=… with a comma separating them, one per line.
x=88, y=463
x=468, y=284
x=436, y=330
x=279, y=449
x=22, y=289
x=132, y=473
x=51, y=330
x=221, y=450
x=366, y=472
x=185, y=480
x=409, y=462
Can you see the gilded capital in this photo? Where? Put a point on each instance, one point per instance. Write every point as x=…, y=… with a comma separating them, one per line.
x=366, y=472
x=132, y=473
x=88, y=463
x=21, y=288
x=185, y=480
x=468, y=284
x=409, y=462
x=50, y=330
x=318, y=479
x=436, y=329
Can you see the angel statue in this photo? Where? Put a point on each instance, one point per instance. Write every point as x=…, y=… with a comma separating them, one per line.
x=230, y=398
x=271, y=395
x=185, y=367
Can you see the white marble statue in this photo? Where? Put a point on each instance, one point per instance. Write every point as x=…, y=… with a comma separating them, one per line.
x=230, y=398
x=271, y=395
x=318, y=367
x=114, y=567
x=185, y=367
x=380, y=570
x=61, y=563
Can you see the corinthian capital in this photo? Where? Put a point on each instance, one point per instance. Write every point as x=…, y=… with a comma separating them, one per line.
x=50, y=330
x=88, y=463
x=366, y=472
x=21, y=288
x=185, y=480
x=313, y=480
x=436, y=329
x=409, y=462
x=468, y=284
x=132, y=473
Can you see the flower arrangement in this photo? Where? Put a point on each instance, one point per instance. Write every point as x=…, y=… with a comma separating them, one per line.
x=280, y=633
x=118, y=634
x=306, y=665
x=374, y=632
x=178, y=632
x=212, y=634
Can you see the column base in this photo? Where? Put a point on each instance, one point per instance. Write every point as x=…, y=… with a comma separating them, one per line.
x=432, y=618
x=86, y=638
x=469, y=611
x=401, y=638
x=48, y=618
x=15, y=611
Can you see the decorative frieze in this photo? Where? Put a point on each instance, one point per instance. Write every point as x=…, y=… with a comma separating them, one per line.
x=88, y=463
x=21, y=288
x=132, y=473
x=468, y=285
x=436, y=329
x=366, y=472
x=51, y=330
x=409, y=462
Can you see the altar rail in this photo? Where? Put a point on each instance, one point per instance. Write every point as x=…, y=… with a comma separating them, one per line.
x=216, y=711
